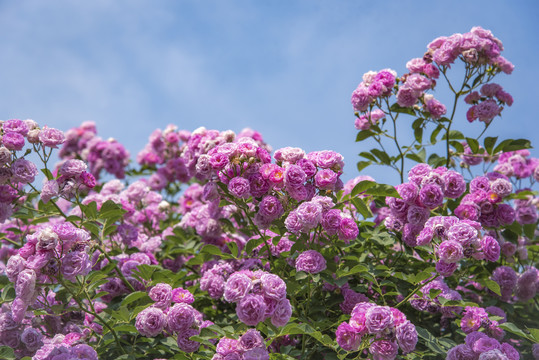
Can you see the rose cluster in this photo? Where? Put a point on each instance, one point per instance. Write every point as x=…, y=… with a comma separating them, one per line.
x=518, y=164
x=426, y=302
x=484, y=202
x=319, y=211
x=50, y=253
x=84, y=144
x=175, y=154
x=142, y=206
x=258, y=295
x=249, y=346
x=384, y=328
x=202, y=214
x=424, y=192
x=459, y=239
x=15, y=170
x=180, y=319
x=477, y=47
x=72, y=176
x=479, y=346
x=487, y=103
x=375, y=85
x=525, y=285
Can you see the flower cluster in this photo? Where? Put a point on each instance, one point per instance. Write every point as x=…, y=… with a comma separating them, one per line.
x=479, y=346
x=477, y=47
x=258, y=295
x=65, y=347
x=525, y=286
x=249, y=346
x=319, y=211
x=484, y=202
x=518, y=164
x=202, y=213
x=50, y=253
x=72, y=177
x=426, y=302
x=84, y=144
x=459, y=239
x=15, y=170
x=487, y=103
x=424, y=192
x=180, y=151
x=180, y=319
x=387, y=329
x=375, y=85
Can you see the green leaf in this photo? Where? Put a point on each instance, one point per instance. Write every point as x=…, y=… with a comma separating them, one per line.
x=47, y=173
x=417, y=123
x=489, y=143
x=418, y=134
x=383, y=190
x=517, y=145
x=435, y=133
x=361, y=207
x=454, y=135
x=362, y=165
x=363, y=134
x=362, y=186
x=512, y=328
x=457, y=145
x=368, y=156
x=512, y=145
x=399, y=109
x=126, y=328
x=133, y=297
x=251, y=244
x=493, y=286
x=211, y=249
x=382, y=155
x=92, y=227
x=535, y=334
x=6, y=353
x=233, y=247
x=473, y=144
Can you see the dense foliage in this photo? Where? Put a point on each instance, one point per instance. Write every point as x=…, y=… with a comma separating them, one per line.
x=215, y=246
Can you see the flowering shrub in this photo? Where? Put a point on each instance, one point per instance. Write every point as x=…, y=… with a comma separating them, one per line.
x=213, y=246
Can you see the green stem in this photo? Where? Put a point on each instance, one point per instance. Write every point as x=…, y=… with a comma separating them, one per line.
x=97, y=316
x=118, y=271
x=415, y=291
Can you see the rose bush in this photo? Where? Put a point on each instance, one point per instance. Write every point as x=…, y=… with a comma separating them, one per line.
x=210, y=247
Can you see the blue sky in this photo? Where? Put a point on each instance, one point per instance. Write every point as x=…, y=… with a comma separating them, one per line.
x=284, y=68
